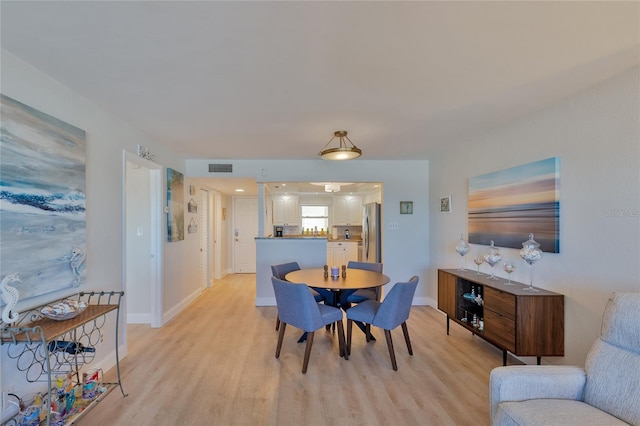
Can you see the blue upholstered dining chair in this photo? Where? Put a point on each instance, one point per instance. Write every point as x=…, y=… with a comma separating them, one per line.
x=297, y=307
x=357, y=296
x=392, y=312
x=281, y=270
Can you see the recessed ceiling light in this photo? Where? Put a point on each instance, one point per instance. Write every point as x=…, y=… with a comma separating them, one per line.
x=239, y=190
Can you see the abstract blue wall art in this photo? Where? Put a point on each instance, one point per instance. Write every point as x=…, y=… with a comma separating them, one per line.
x=42, y=200
x=505, y=206
x=175, y=201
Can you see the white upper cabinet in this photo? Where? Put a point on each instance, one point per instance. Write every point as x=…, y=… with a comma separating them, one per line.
x=347, y=210
x=286, y=210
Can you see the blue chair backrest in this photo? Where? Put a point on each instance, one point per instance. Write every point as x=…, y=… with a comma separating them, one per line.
x=296, y=305
x=396, y=306
x=367, y=266
x=283, y=269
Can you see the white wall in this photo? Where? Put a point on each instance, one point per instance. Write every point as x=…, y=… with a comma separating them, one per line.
x=596, y=135
x=107, y=137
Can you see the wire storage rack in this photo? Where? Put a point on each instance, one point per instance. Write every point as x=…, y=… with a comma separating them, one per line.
x=56, y=351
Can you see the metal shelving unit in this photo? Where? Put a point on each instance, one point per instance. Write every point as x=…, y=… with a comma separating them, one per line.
x=28, y=339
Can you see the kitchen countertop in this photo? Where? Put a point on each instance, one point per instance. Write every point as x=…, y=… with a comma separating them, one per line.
x=313, y=237
x=295, y=237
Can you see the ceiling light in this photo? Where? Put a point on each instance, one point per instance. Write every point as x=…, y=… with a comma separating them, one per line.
x=332, y=187
x=346, y=150
x=239, y=190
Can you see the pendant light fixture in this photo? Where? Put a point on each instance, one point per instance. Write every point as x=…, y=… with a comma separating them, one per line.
x=345, y=150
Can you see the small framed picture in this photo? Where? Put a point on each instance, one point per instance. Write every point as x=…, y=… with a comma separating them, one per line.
x=445, y=204
x=406, y=207
x=192, y=207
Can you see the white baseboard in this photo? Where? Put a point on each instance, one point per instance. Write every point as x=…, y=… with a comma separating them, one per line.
x=138, y=318
x=265, y=301
x=171, y=313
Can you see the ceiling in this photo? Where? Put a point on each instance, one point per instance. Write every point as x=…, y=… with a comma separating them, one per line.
x=274, y=80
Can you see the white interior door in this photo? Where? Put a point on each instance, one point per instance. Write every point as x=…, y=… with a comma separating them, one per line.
x=245, y=229
x=216, y=234
x=203, y=211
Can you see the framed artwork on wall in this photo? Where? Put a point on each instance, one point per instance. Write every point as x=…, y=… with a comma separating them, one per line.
x=445, y=204
x=175, y=204
x=42, y=189
x=192, y=207
x=406, y=207
x=507, y=205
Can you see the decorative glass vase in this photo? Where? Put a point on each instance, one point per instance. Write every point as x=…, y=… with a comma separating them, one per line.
x=492, y=257
x=531, y=253
x=462, y=248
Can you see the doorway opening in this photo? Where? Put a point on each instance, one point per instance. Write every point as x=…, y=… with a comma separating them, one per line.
x=142, y=240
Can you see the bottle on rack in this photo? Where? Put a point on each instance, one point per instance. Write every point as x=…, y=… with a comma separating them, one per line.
x=69, y=347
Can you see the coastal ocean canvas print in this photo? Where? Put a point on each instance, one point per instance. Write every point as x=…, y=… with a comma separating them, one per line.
x=42, y=200
x=505, y=206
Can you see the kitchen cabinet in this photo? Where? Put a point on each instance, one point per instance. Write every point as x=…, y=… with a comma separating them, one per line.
x=515, y=320
x=286, y=210
x=347, y=210
x=341, y=252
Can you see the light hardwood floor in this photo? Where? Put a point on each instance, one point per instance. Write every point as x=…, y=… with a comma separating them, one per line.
x=214, y=364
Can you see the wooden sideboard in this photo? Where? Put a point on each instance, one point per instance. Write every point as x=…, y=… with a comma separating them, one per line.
x=522, y=322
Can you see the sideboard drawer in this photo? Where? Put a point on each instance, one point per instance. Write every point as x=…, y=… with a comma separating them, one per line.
x=500, y=329
x=500, y=302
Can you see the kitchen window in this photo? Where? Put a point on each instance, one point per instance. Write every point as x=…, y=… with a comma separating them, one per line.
x=315, y=217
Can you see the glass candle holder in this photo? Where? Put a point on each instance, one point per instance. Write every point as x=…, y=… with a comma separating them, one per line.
x=462, y=248
x=509, y=267
x=478, y=260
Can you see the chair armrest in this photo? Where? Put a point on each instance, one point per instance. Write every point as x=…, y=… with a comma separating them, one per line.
x=522, y=382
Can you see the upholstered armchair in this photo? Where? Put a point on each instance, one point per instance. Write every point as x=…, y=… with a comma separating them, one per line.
x=605, y=392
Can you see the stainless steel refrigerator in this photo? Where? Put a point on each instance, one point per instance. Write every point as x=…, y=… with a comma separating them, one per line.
x=371, y=230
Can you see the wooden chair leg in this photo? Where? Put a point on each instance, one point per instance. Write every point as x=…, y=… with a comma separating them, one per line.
x=405, y=331
x=280, y=338
x=341, y=343
x=387, y=334
x=349, y=329
x=277, y=322
x=307, y=351
x=367, y=331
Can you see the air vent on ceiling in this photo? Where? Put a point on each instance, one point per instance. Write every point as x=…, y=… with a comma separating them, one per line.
x=220, y=168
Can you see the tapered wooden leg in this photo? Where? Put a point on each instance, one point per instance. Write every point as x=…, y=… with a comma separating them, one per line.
x=392, y=354
x=367, y=331
x=341, y=342
x=307, y=351
x=405, y=331
x=349, y=329
x=280, y=338
x=277, y=322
